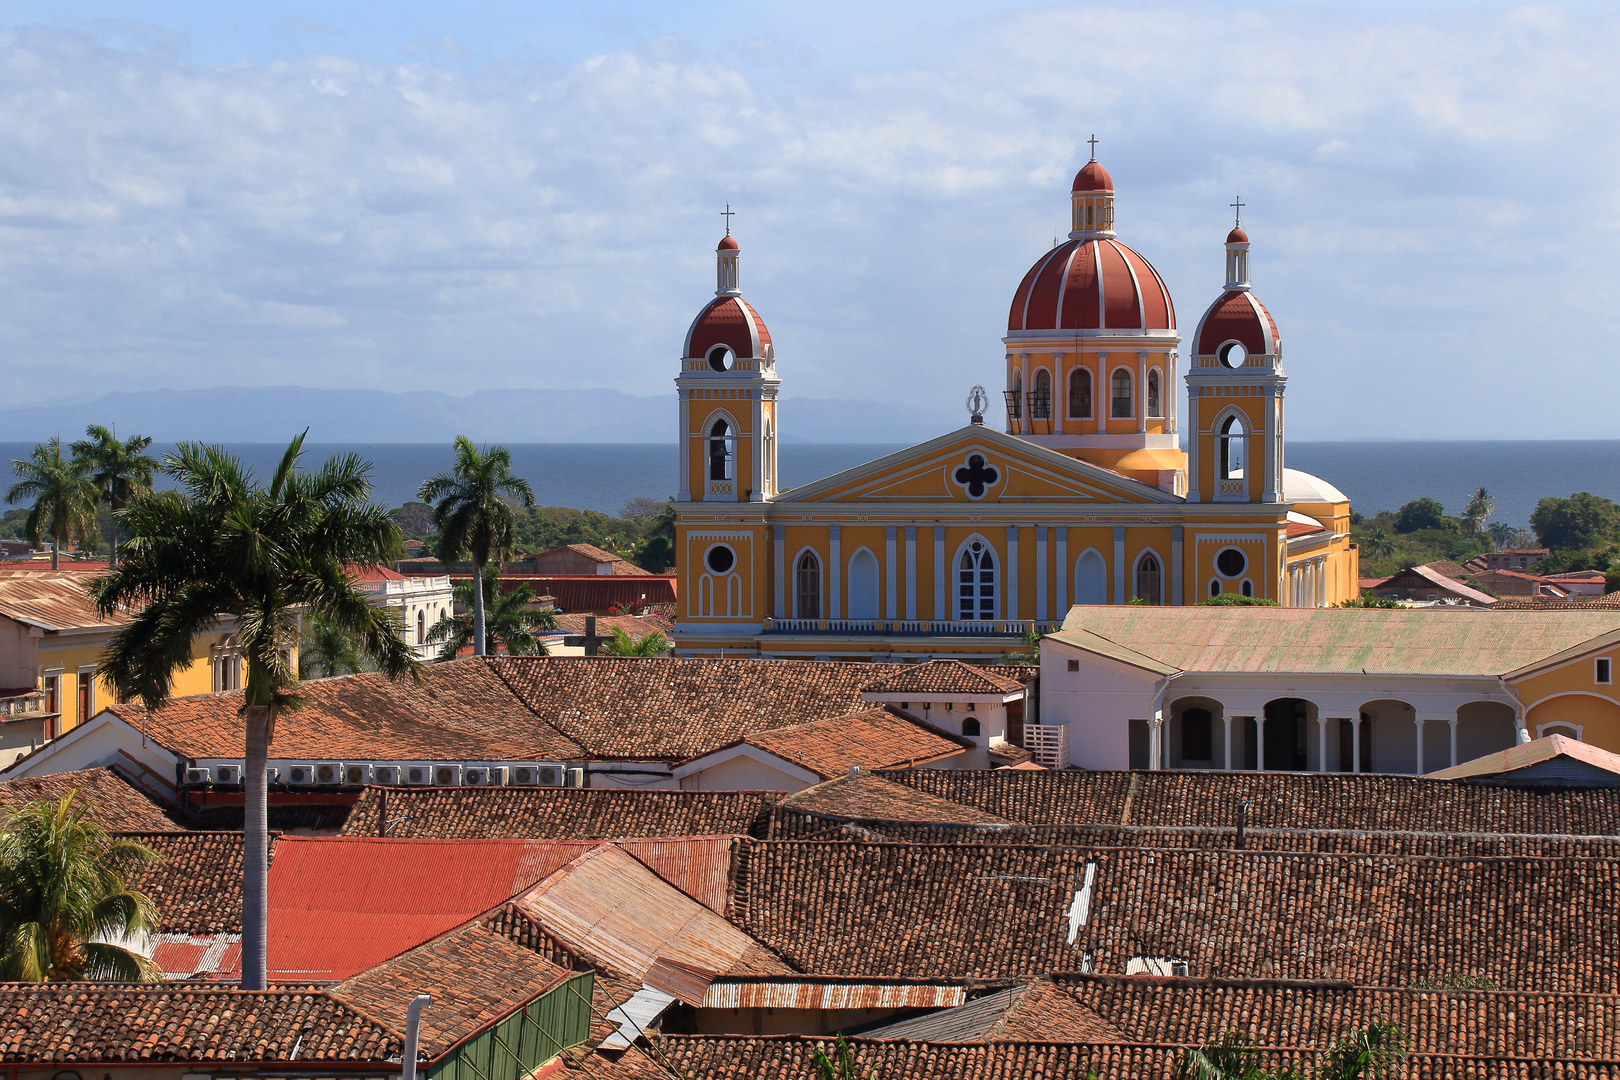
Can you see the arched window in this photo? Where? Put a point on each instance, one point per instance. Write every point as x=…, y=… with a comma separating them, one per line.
x=1090, y=579
x=1155, y=406
x=1232, y=438
x=807, y=587
x=1040, y=402
x=970, y=726
x=421, y=627
x=1248, y=587
x=1122, y=395
x=976, y=582
x=720, y=451
x=1214, y=587
x=1148, y=579
x=1080, y=394
x=863, y=585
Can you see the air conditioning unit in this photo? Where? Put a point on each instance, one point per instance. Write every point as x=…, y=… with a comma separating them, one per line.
x=329, y=772
x=272, y=776
x=227, y=774
x=523, y=775
x=576, y=777
x=197, y=776
x=356, y=775
x=385, y=774
x=497, y=775
x=419, y=774
x=301, y=775
x=446, y=775
x=475, y=776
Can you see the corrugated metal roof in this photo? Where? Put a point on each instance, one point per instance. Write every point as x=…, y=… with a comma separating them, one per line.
x=831, y=994
x=198, y=956
x=968, y=1023
x=1532, y=753
x=53, y=600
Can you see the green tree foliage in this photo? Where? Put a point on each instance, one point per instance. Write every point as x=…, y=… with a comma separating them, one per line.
x=121, y=471
x=1028, y=653
x=1369, y=601
x=1374, y=1052
x=1583, y=520
x=621, y=644
x=510, y=621
x=327, y=649
x=472, y=509
x=63, y=494
x=1422, y=513
x=415, y=520
x=225, y=544
x=62, y=887
x=841, y=1065
x=1232, y=599
x=1478, y=510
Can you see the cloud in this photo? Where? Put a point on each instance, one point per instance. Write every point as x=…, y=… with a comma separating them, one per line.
x=1431, y=200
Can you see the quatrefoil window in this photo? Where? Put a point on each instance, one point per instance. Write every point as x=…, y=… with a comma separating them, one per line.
x=976, y=476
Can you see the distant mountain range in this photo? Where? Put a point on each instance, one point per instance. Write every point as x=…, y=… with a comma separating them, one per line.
x=274, y=413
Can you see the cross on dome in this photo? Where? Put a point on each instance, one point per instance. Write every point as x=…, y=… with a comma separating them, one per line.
x=1093, y=142
x=1237, y=211
x=728, y=213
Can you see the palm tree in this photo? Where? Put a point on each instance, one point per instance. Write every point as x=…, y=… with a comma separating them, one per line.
x=226, y=546
x=841, y=1067
x=1378, y=544
x=1368, y=1053
x=64, y=496
x=1480, y=505
x=622, y=644
x=63, y=901
x=1501, y=534
x=511, y=622
x=473, y=513
x=120, y=470
x=328, y=649
x=1028, y=653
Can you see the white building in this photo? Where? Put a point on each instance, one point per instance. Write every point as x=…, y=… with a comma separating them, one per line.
x=418, y=601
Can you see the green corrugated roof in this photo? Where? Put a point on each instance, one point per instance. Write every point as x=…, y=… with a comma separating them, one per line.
x=1331, y=640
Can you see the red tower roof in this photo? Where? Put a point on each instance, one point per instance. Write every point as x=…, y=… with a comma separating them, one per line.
x=1091, y=285
x=728, y=320
x=1093, y=177
x=1237, y=315
x=1237, y=236
x=729, y=243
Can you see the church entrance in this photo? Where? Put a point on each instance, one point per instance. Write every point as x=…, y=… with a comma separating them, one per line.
x=1287, y=735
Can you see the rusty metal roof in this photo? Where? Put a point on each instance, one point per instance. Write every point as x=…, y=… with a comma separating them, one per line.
x=822, y=993
x=53, y=600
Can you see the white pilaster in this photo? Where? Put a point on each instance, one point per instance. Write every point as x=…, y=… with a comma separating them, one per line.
x=1355, y=743
x=911, y=571
x=756, y=490
x=890, y=573
x=941, y=612
x=1060, y=393
x=1040, y=572
x=1119, y=564
x=1141, y=396
x=1417, y=724
x=1062, y=573
x=1321, y=743
x=685, y=494
x=780, y=609
x=1010, y=578
x=1226, y=721
x=1260, y=743
x=835, y=573
x=1177, y=534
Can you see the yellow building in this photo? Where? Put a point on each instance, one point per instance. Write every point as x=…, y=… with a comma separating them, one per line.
x=52, y=638
x=960, y=545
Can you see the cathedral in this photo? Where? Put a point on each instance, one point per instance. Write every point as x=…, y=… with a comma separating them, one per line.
x=1075, y=491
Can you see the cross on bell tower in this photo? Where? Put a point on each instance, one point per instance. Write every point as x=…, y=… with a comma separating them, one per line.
x=728, y=213
x=1093, y=142
x=1237, y=205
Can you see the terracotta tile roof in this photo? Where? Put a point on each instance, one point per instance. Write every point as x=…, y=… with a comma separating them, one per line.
x=474, y=975
x=1003, y=912
x=1606, y=602
x=637, y=627
x=116, y=803
x=944, y=677
x=87, y=1022
x=1447, y=568
x=198, y=886
x=1433, y=576
x=1175, y=799
x=1314, y=1014
x=865, y=797
x=1531, y=753
x=1326, y=640
x=53, y=600
x=669, y=709
x=869, y=738
x=462, y=711
x=556, y=813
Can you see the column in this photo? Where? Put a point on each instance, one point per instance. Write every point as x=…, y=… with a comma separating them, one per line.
x=756, y=490
x=1453, y=723
x=834, y=573
x=1025, y=425
x=1155, y=740
x=1193, y=461
x=1260, y=743
x=891, y=574
x=1040, y=572
x=1226, y=721
x=1355, y=743
x=1009, y=606
x=911, y=572
x=1177, y=533
x=1062, y=573
x=1417, y=723
x=1519, y=722
x=1141, y=393
x=781, y=609
x=1270, y=444
x=1321, y=743
x=1060, y=394
x=1172, y=392
x=941, y=612
x=1119, y=564
x=686, y=447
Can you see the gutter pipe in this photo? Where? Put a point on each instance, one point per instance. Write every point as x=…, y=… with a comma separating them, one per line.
x=413, y=1031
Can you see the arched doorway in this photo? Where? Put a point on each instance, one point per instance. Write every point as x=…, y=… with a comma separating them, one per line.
x=1287, y=735
x=1484, y=727
x=1090, y=579
x=1197, y=734
x=1390, y=736
x=863, y=585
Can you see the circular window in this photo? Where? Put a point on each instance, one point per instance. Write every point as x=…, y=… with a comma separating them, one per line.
x=1231, y=562
x=721, y=358
x=720, y=559
x=1233, y=354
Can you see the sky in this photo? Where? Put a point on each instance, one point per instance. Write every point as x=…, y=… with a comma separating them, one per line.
x=404, y=195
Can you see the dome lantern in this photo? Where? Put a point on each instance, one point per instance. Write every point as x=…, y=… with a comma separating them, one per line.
x=726, y=281
x=1092, y=200
x=1237, y=250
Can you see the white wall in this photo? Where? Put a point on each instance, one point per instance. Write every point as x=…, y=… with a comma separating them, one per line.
x=742, y=773
x=1098, y=702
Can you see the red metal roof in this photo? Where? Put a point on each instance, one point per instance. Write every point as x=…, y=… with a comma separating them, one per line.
x=1091, y=285
x=1237, y=315
x=1093, y=177
x=727, y=243
x=1237, y=236
x=728, y=320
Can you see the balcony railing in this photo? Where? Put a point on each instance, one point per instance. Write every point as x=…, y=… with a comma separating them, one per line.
x=1014, y=628
x=24, y=706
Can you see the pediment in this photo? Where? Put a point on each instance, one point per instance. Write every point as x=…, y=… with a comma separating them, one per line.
x=976, y=464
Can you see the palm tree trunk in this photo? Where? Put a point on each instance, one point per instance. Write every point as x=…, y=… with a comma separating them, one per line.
x=255, y=848
x=478, y=609
x=56, y=550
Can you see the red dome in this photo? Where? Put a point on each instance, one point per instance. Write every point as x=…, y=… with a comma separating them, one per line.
x=1237, y=236
x=728, y=320
x=1091, y=285
x=728, y=244
x=1237, y=315
x=1093, y=177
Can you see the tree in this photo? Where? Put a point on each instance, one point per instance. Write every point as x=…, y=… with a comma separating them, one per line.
x=1501, y=534
x=1373, y=1052
x=642, y=508
x=64, y=496
x=1420, y=514
x=1479, y=508
x=511, y=621
x=621, y=644
x=1232, y=599
x=1028, y=653
x=328, y=649
x=224, y=545
x=474, y=517
x=1581, y=521
x=63, y=897
x=120, y=470
x=840, y=1068
x=1378, y=545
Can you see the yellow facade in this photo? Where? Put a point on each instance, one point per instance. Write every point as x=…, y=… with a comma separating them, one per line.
x=70, y=660
x=1575, y=697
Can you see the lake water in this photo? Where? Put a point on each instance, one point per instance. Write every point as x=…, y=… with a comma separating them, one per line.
x=1376, y=475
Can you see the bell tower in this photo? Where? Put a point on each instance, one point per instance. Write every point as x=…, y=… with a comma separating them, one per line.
x=727, y=388
x=1235, y=384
